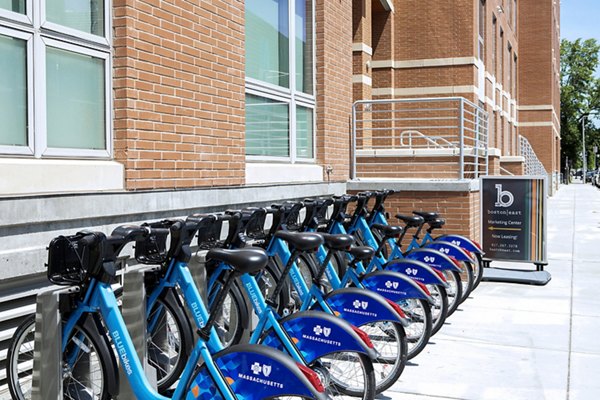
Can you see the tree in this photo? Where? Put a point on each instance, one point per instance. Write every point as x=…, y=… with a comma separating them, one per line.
x=580, y=94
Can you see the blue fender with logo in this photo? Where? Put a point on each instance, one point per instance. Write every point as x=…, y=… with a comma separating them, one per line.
x=451, y=250
x=394, y=286
x=254, y=373
x=316, y=334
x=433, y=258
x=462, y=242
x=416, y=270
x=359, y=306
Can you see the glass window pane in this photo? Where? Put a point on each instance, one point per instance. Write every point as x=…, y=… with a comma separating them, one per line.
x=267, y=127
x=13, y=5
x=86, y=16
x=13, y=91
x=304, y=132
x=304, y=49
x=267, y=41
x=75, y=99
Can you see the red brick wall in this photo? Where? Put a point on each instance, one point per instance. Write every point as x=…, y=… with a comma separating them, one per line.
x=459, y=209
x=179, y=92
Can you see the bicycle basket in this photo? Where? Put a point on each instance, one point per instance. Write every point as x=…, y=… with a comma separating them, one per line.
x=69, y=259
x=152, y=250
x=210, y=235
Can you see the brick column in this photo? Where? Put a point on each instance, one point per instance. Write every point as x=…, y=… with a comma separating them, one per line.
x=334, y=86
x=179, y=93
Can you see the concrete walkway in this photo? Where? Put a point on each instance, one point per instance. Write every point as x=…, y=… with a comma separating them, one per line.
x=514, y=341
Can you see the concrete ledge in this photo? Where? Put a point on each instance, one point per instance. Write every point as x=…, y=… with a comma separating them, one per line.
x=512, y=159
x=263, y=173
x=415, y=185
x=29, y=223
x=26, y=175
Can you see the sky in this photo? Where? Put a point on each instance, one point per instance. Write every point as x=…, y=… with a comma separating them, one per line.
x=579, y=19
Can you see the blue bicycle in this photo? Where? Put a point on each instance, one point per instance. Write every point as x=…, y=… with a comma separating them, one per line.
x=87, y=261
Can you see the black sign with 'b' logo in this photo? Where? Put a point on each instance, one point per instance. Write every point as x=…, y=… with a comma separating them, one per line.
x=513, y=224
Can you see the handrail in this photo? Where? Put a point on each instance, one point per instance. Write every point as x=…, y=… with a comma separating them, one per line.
x=448, y=132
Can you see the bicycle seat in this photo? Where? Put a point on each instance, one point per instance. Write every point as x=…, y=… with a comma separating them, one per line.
x=242, y=260
x=337, y=242
x=388, y=230
x=303, y=241
x=412, y=221
x=437, y=223
x=361, y=253
x=427, y=215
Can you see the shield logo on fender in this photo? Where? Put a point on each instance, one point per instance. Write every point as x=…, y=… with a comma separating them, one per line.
x=267, y=370
x=327, y=331
x=365, y=304
x=395, y=284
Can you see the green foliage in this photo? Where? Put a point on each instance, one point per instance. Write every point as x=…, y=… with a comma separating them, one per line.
x=580, y=94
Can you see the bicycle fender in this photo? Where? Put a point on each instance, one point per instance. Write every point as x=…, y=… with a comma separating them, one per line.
x=462, y=242
x=451, y=250
x=359, y=306
x=93, y=324
x=417, y=271
x=253, y=373
x=394, y=286
x=316, y=334
x=433, y=258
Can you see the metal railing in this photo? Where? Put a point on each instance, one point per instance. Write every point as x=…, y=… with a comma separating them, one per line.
x=426, y=138
x=533, y=166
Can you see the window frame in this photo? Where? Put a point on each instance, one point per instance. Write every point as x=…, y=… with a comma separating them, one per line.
x=28, y=149
x=290, y=95
x=41, y=34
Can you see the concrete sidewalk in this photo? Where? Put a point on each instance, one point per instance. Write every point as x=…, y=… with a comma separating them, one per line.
x=512, y=341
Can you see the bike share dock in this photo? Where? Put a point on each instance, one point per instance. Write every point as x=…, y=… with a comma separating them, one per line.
x=512, y=341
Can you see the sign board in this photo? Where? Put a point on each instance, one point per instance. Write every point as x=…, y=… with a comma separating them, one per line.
x=513, y=218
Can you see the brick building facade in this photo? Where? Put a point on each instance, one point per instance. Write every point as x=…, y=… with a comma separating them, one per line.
x=121, y=112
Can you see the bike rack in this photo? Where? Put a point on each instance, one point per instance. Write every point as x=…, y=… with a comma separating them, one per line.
x=47, y=347
x=47, y=357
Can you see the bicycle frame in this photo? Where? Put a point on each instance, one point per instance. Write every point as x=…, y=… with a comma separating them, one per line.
x=100, y=298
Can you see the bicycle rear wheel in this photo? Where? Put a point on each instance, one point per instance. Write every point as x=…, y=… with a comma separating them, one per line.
x=467, y=280
x=389, y=339
x=19, y=360
x=439, y=310
x=418, y=331
x=454, y=290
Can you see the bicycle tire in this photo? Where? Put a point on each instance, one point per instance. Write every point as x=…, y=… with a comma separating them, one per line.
x=418, y=331
x=172, y=328
x=19, y=360
x=467, y=281
x=389, y=339
x=84, y=340
x=479, y=268
x=439, y=311
x=454, y=290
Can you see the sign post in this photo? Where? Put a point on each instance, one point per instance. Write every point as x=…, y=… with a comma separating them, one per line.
x=513, y=222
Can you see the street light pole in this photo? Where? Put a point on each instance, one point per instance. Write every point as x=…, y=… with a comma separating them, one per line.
x=583, y=143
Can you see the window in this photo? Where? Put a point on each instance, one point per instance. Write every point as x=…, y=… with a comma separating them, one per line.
x=481, y=48
x=515, y=76
x=494, y=46
x=55, y=78
x=514, y=16
x=509, y=74
x=500, y=76
x=280, y=100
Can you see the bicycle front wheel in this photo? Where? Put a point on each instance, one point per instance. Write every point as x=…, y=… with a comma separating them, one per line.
x=169, y=341
x=454, y=290
x=439, y=310
x=19, y=360
x=85, y=368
